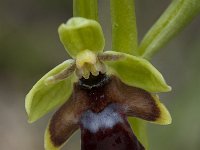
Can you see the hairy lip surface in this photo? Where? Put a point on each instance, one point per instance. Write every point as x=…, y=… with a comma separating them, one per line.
x=101, y=113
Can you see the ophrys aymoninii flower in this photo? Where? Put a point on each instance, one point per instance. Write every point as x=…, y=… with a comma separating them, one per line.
x=98, y=91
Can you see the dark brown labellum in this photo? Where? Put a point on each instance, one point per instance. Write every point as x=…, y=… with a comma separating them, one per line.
x=104, y=126
x=100, y=106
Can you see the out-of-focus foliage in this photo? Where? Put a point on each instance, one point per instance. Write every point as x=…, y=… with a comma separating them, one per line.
x=30, y=47
x=179, y=14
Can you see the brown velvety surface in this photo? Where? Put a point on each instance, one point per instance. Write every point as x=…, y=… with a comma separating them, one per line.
x=120, y=137
x=132, y=101
x=136, y=102
x=65, y=121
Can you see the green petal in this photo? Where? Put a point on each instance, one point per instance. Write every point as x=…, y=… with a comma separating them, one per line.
x=80, y=34
x=134, y=71
x=43, y=98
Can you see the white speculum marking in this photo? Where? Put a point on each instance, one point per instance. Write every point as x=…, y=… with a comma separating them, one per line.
x=108, y=118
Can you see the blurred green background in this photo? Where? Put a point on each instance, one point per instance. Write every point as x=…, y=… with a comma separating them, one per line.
x=30, y=47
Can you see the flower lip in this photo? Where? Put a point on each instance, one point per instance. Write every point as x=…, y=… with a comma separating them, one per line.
x=93, y=81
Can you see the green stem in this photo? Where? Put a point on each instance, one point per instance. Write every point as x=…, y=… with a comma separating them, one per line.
x=85, y=8
x=124, y=39
x=124, y=30
x=174, y=19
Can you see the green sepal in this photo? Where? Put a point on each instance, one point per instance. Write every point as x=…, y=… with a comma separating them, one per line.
x=42, y=98
x=135, y=71
x=80, y=34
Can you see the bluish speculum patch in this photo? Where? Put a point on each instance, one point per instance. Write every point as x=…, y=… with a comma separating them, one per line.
x=106, y=119
x=107, y=130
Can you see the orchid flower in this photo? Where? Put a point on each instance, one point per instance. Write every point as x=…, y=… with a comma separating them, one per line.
x=96, y=92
